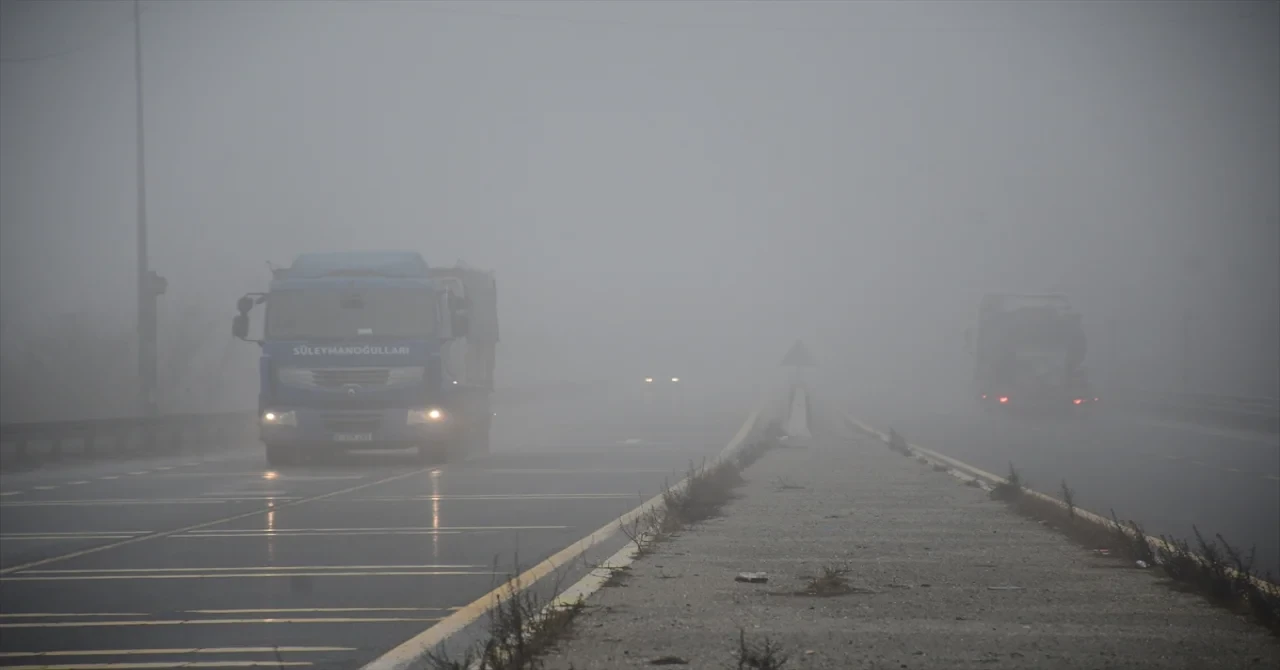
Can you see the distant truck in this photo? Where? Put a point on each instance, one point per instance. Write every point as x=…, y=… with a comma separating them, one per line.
x=374, y=350
x=1029, y=353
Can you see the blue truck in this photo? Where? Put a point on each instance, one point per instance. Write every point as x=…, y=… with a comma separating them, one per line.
x=374, y=350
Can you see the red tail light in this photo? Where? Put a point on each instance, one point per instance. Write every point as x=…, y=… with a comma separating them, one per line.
x=1004, y=398
x=1079, y=400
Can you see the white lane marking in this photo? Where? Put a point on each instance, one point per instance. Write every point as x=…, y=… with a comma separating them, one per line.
x=1268, y=439
x=203, y=622
x=77, y=483
x=62, y=615
x=253, y=567
x=297, y=610
x=500, y=496
x=164, y=665
x=284, y=531
x=9, y=493
x=284, y=535
x=240, y=494
x=254, y=575
x=186, y=651
x=73, y=533
x=104, y=536
x=145, y=501
x=110, y=477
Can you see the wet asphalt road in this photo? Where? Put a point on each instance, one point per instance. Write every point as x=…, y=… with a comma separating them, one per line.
x=1168, y=476
x=218, y=560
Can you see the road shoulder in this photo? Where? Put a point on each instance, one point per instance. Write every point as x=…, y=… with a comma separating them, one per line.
x=928, y=574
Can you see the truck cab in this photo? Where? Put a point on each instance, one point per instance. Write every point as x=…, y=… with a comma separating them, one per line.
x=374, y=350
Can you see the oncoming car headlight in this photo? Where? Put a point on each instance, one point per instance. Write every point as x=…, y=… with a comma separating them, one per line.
x=277, y=418
x=426, y=415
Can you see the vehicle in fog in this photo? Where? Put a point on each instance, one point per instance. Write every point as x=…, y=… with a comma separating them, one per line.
x=1029, y=353
x=374, y=350
x=661, y=391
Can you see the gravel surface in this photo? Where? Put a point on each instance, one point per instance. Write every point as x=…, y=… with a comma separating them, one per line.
x=933, y=574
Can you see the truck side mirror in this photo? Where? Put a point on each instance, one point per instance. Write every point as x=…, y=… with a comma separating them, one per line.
x=244, y=304
x=240, y=325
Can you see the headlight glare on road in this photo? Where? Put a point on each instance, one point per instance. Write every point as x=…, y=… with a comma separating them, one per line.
x=273, y=417
x=426, y=415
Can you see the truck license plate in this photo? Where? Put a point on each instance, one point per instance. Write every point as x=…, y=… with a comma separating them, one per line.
x=353, y=437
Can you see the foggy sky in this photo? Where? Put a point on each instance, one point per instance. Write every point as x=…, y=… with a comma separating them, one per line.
x=684, y=185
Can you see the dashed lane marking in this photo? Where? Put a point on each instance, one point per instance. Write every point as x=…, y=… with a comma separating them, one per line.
x=77, y=483
x=207, y=524
x=43, y=488
x=9, y=493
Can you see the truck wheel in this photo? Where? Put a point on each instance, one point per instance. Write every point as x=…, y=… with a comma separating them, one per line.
x=281, y=454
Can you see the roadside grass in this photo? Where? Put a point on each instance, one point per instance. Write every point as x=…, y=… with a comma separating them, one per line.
x=767, y=655
x=707, y=489
x=523, y=625
x=1213, y=568
x=830, y=582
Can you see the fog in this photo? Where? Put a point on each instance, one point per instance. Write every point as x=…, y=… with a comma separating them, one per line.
x=679, y=187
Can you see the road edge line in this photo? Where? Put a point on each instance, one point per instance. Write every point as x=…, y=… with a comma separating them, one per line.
x=416, y=648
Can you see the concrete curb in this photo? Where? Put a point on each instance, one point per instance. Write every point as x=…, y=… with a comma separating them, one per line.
x=988, y=481
x=416, y=649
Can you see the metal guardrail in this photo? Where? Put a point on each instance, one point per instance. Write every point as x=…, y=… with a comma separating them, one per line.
x=30, y=443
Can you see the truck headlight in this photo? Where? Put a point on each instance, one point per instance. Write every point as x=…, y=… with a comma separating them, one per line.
x=276, y=418
x=426, y=415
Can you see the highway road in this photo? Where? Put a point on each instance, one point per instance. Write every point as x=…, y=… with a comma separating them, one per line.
x=222, y=562
x=1167, y=476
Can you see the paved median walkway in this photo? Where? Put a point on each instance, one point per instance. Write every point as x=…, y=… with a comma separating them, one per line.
x=876, y=561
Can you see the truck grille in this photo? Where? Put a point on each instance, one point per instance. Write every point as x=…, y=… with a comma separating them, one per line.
x=352, y=422
x=338, y=378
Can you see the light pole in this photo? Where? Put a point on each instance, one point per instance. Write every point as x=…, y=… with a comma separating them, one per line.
x=150, y=285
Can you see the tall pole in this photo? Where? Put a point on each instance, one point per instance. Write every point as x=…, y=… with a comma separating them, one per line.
x=146, y=290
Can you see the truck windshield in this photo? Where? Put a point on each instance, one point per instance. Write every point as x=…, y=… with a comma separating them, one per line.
x=330, y=314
